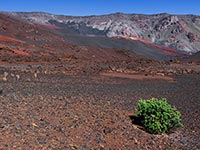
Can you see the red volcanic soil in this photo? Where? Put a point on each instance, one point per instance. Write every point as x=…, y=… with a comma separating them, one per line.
x=9, y=39
x=15, y=51
x=168, y=51
x=20, y=52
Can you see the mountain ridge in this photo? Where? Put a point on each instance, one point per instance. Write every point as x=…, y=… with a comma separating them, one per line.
x=181, y=32
x=106, y=14
x=39, y=28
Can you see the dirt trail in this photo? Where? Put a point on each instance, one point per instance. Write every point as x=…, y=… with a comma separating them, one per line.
x=137, y=76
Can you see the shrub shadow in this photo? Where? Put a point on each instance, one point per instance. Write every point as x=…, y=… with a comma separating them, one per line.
x=137, y=121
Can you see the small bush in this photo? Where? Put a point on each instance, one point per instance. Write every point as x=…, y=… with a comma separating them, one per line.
x=158, y=116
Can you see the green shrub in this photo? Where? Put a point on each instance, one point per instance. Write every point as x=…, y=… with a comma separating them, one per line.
x=158, y=116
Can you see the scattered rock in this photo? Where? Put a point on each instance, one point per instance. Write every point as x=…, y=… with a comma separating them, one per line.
x=5, y=75
x=18, y=76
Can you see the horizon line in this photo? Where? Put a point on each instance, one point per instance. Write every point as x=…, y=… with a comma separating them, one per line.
x=103, y=14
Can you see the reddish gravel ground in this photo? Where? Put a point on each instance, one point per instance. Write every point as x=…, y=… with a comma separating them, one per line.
x=58, y=96
x=63, y=111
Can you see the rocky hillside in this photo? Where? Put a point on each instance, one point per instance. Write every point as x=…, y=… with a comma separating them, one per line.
x=27, y=43
x=181, y=32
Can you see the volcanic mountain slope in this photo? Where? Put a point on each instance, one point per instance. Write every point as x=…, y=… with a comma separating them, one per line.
x=24, y=42
x=39, y=42
x=180, y=32
x=83, y=35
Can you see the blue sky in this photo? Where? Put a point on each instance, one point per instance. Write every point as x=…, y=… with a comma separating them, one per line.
x=97, y=7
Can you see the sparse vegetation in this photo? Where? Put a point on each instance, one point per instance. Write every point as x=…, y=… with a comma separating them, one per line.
x=158, y=116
